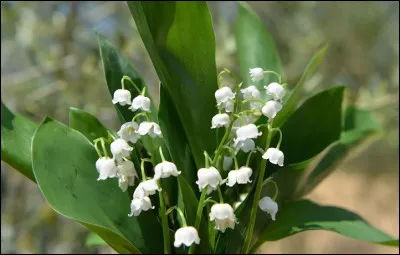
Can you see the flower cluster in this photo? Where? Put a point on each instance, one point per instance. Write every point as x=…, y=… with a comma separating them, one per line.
x=238, y=111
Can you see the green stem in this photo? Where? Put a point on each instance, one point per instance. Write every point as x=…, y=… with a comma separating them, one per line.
x=240, y=118
x=257, y=195
x=253, y=100
x=233, y=156
x=161, y=154
x=248, y=158
x=144, y=91
x=221, y=144
x=142, y=169
x=221, y=198
x=104, y=147
x=207, y=159
x=184, y=224
x=97, y=149
x=276, y=187
x=131, y=81
x=164, y=221
x=199, y=213
x=141, y=114
x=279, y=77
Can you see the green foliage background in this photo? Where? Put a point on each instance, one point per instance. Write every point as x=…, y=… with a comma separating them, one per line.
x=50, y=61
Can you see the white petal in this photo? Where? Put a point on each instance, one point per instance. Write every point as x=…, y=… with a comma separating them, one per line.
x=106, y=168
x=256, y=74
x=249, y=131
x=165, y=169
x=187, y=236
x=208, y=176
x=276, y=90
x=223, y=94
x=268, y=205
x=220, y=120
x=122, y=96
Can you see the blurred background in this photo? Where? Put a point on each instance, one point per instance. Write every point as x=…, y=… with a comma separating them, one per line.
x=50, y=62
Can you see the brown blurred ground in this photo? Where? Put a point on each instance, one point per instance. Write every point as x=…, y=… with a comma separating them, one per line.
x=50, y=62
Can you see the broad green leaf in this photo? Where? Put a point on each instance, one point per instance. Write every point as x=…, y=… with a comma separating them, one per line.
x=175, y=138
x=358, y=125
x=64, y=167
x=292, y=97
x=180, y=41
x=87, y=124
x=303, y=215
x=255, y=47
x=116, y=65
x=16, y=136
x=94, y=239
x=314, y=126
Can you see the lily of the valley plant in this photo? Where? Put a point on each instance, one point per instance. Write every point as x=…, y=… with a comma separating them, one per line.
x=219, y=166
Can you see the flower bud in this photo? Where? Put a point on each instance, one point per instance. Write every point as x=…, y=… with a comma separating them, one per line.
x=240, y=176
x=220, y=120
x=208, y=177
x=256, y=74
x=275, y=90
x=106, y=168
x=187, y=236
x=271, y=108
x=224, y=216
x=140, y=102
x=165, y=169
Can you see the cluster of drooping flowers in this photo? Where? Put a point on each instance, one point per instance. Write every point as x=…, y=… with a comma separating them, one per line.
x=238, y=112
x=121, y=167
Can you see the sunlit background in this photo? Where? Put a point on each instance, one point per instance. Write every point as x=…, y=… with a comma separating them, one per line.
x=50, y=62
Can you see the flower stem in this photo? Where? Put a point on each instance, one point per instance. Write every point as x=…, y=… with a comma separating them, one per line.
x=253, y=100
x=142, y=169
x=141, y=114
x=221, y=198
x=130, y=80
x=279, y=77
x=164, y=221
x=257, y=194
x=104, y=147
x=97, y=149
x=161, y=154
x=276, y=187
x=198, y=216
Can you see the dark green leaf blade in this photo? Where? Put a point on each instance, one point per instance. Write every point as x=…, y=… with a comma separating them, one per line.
x=64, y=167
x=175, y=138
x=292, y=97
x=87, y=124
x=180, y=41
x=256, y=47
x=303, y=215
x=16, y=137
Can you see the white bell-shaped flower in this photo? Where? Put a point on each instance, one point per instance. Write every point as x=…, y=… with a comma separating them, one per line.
x=128, y=132
x=268, y=205
x=122, y=96
x=106, y=168
x=220, y=120
x=228, y=106
x=227, y=164
x=244, y=145
x=126, y=168
x=275, y=90
x=224, y=216
x=256, y=74
x=120, y=148
x=140, y=102
x=146, y=188
x=240, y=176
x=251, y=92
x=150, y=128
x=140, y=204
x=223, y=95
x=165, y=169
x=208, y=177
x=249, y=131
x=275, y=156
x=125, y=181
x=271, y=109
x=187, y=236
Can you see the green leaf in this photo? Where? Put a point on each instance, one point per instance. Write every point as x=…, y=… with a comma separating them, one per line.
x=303, y=215
x=94, y=240
x=16, y=136
x=87, y=124
x=358, y=125
x=292, y=97
x=256, y=48
x=175, y=138
x=314, y=126
x=180, y=41
x=64, y=167
x=116, y=65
